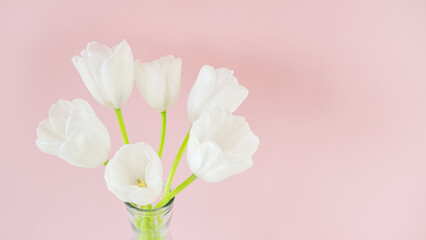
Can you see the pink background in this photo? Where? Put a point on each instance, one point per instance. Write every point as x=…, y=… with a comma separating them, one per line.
x=337, y=97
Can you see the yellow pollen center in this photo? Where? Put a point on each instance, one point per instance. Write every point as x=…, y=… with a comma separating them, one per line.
x=141, y=184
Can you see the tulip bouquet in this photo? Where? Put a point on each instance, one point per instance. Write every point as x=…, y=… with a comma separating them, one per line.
x=218, y=144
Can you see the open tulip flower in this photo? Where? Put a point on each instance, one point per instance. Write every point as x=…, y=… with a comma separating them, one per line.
x=214, y=89
x=159, y=81
x=74, y=133
x=220, y=145
x=135, y=174
x=107, y=73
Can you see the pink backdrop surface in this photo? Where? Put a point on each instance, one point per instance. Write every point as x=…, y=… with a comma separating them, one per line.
x=337, y=97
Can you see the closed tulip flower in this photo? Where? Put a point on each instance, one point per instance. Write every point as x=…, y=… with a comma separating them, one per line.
x=214, y=89
x=135, y=174
x=220, y=145
x=159, y=81
x=107, y=73
x=74, y=133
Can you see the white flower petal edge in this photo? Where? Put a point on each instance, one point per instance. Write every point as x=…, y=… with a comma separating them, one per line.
x=215, y=89
x=75, y=134
x=135, y=174
x=159, y=81
x=107, y=73
x=220, y=145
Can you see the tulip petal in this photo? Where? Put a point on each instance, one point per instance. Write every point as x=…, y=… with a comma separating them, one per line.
x=88, y=66
x=83, y=106
x=144, y=196
x=227, y=165
x=48, y=140
x=123, y=193
x=229, y=97
x=97, y=51
x=58, y=114
x=151, y=84
x=131, y=163
x=173, y=81
x=203, y=157
x=45, y=132
x=201, y=91
x=147, y=195
x=84, y=150
x=118, y=74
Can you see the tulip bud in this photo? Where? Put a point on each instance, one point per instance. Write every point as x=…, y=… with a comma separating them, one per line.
x=159, y=81
x=74, y=133
x=107, y=73
x=220, y=145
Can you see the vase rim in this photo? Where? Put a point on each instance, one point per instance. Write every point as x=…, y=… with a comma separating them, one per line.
x=168, y=204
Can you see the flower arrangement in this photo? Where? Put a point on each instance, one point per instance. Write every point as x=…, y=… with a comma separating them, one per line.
x=218, y=144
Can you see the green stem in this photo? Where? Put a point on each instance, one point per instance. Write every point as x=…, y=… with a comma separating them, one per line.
x=163, y=133
x=175, y=164
x=175, y=191
x=122, y=127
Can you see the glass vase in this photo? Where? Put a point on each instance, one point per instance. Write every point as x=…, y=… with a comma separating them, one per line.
x=150, y=224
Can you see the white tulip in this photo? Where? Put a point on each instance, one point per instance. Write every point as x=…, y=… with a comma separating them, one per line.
x=74, y=133
x=107, y=73
x=159, y=81
x=215, y=89
x=135, y=174
x=220, y=145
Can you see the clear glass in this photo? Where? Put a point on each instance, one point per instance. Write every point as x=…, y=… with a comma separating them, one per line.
x=150, y=224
